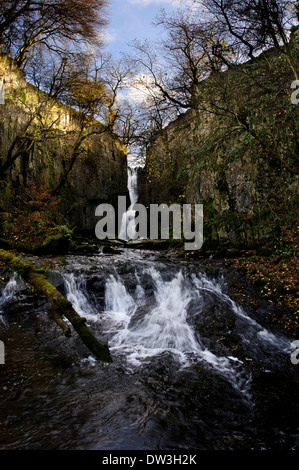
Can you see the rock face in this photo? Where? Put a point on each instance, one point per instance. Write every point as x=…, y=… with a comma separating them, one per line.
x=98, y=178
x=99, y=173
x=240, y=163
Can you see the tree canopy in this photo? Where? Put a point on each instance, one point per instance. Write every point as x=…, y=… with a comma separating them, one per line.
x=57, y=24
x=252, y=26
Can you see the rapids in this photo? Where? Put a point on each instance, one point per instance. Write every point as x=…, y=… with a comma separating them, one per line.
x=192, y=368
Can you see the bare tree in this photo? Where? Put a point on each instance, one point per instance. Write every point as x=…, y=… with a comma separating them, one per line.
x=255, y=25
x=115, y=74
x=54, y=23
x=178, y=64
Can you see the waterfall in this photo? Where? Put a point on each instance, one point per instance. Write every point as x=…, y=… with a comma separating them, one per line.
x=75, y=292
x=192, y=368
x=7, y=294
x=133, y=184
x=142, y=331
x=155, y=317
x=253, y=334
x=127, y=229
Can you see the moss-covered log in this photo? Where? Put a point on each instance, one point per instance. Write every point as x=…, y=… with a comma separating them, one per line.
x=60, y=306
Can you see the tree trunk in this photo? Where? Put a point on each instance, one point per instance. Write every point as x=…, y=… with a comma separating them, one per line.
x=60, y=306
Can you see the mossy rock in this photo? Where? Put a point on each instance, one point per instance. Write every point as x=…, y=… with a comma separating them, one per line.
x=84, y=249
x=110, y=250
x=57, y=244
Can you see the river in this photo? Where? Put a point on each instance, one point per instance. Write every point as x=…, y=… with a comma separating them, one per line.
x=192, y=368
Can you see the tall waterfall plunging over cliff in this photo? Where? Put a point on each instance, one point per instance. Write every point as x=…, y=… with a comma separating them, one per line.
x=127, y=229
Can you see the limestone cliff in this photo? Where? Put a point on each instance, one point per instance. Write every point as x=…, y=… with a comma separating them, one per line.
x=237, y=155
x=98, y=175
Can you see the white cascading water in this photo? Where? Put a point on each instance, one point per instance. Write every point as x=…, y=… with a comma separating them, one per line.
x=162, y=325
x=75, y=292
x=133, y=184
x=163, y=328
x=253, y=332
x=140, y=325
x=7, y=294
x=127, y=229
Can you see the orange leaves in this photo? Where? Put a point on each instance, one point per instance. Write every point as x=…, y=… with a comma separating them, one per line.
x=30, y=222
x=276, y=276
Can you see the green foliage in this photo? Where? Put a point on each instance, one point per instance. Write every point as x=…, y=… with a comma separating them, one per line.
x=182, y=173
x=289, y=251
x=238, y=151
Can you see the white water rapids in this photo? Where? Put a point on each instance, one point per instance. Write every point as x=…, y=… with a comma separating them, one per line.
x=191, y=367
x=7, y=294
x=139, y=328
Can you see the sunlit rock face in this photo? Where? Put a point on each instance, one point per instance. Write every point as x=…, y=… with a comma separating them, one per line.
x=99, y=173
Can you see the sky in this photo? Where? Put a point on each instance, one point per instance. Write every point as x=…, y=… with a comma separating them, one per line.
x=131, y=19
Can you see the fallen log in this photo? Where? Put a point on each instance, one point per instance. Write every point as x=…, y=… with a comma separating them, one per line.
x=59, y=306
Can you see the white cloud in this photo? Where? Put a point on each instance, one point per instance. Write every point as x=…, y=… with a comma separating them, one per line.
x=111, y=35
x=135, y=89
x=139, y=89
x=191, y=4
x=150, y=2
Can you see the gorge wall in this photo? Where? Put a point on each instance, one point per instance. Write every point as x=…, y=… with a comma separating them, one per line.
x=98, y=175
x=237, y=154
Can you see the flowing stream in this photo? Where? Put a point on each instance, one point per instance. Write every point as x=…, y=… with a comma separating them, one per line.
x=192, y=368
